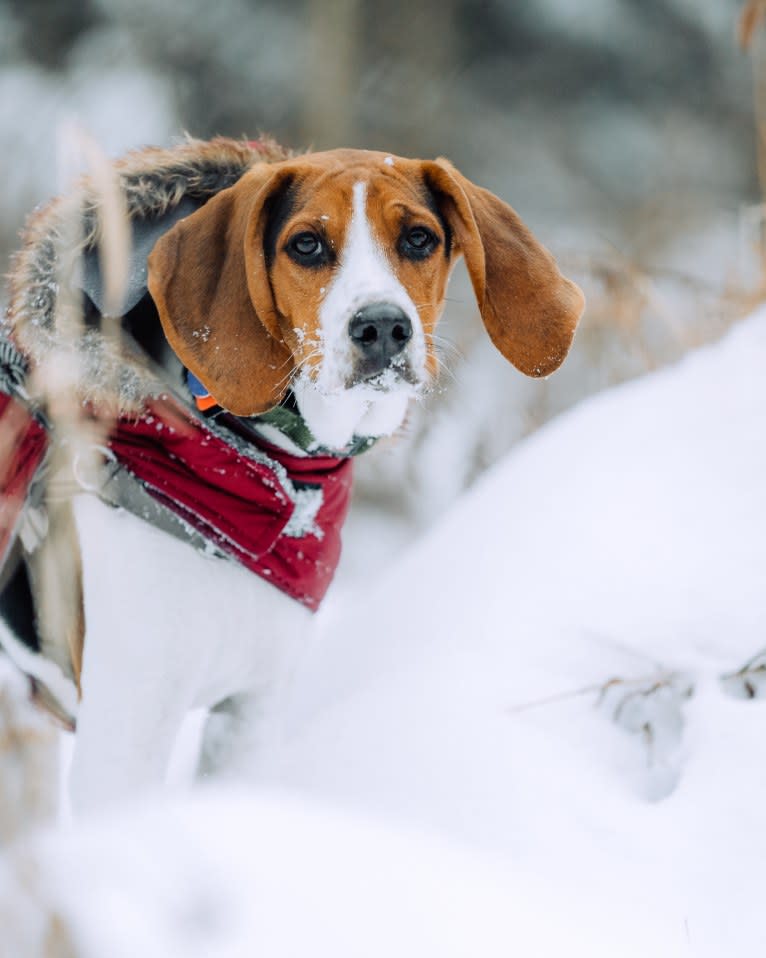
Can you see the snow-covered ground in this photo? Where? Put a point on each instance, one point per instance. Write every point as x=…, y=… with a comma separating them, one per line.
x=519, y=738
x=626, y=540
x=233, y=875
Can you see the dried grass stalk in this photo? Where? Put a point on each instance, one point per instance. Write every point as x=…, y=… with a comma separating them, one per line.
x=79, y=433
x=28, y=759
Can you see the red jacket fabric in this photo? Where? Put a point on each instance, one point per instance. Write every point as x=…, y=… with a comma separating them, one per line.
x=241, y=505
x=23, y=443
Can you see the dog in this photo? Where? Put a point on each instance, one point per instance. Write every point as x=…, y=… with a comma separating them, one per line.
x=279, y=317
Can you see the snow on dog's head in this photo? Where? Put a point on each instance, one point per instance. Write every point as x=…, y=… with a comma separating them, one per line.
x=327, y=274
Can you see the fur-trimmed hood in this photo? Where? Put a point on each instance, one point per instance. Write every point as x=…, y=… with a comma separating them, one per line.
x=60, y=253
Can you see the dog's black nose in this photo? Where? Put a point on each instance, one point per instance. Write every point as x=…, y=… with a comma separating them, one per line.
x=379, y=332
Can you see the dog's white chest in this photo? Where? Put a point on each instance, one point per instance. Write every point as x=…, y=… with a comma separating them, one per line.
x=207, y=627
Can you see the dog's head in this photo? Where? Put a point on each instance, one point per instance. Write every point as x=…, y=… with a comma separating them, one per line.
x=327, y=274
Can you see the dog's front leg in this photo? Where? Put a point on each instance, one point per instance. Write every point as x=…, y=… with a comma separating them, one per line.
x=242, y=736
x=126, y=728
x=140, y=672
x=244, y=729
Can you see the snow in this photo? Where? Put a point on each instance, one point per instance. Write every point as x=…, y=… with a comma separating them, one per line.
x=626, y=540
x=224, y=872
x=523, y=737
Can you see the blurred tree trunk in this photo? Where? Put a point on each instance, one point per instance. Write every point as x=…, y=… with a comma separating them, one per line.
x=375, y=72
x=333, y=31
x=427, y=53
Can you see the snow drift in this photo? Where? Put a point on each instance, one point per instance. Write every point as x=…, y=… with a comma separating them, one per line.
x=545, y=674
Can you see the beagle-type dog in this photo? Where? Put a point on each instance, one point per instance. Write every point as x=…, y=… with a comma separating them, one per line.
x=279, y=317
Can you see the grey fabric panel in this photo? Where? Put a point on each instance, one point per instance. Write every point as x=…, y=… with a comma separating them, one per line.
x=121, y=489
x=146, y=232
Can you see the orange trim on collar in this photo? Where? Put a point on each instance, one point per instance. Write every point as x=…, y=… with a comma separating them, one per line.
x=205, y=402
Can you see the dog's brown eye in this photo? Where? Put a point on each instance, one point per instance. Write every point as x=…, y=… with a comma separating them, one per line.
x=418, y=243
x=307, y=249
x=306, y=244
x=418, y=238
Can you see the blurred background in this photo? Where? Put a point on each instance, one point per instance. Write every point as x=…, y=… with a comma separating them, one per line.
x=622, y=131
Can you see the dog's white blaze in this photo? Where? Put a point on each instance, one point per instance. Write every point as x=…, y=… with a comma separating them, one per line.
x=365, y=276
x=333, y=412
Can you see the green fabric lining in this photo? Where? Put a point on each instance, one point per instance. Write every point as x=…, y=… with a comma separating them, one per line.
x=292, y=425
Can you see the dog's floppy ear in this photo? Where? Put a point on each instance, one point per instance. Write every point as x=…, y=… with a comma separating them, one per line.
x=529, y=309
x=209, y=281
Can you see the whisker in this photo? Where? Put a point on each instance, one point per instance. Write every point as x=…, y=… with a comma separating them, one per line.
x=287, y=379
x=447, y=346
x=445, y=370
x=447, y=353
x=297, y=368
